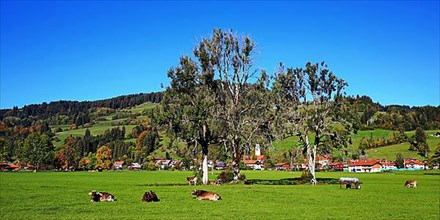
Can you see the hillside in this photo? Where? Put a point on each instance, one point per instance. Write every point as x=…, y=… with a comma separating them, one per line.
x=387, y=152
x=82, y=128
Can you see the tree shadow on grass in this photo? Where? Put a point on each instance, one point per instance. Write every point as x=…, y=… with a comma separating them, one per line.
x=294, y=181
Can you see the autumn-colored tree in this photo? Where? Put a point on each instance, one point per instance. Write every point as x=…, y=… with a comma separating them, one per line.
x=67, y=154
x=104, y=157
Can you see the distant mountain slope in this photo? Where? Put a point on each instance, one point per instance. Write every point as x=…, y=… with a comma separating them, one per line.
x=45, y=110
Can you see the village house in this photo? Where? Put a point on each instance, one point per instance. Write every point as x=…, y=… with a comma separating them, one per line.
x=371, y=166
x=387, y=165
x=134, y=166
x=118, y=165
x=298, y=166
x=336, y=166
x=162, y=164
x=256, y=162
x=412, y=163
x=9, y=167
x=282, y=166
x=323, y=161
x=252, y=164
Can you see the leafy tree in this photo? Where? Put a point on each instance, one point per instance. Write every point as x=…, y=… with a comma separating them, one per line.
x=104, y=157
x=211, y=100
x=147, y=142
x=418, y=142
x=434, y=160
x=309, y=101
x=37, y=150
x=188, y=106
x=66, y=157
x=400, y=163
x=241, y=105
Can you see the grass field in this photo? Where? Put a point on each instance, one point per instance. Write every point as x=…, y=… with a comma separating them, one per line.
x=52, y=195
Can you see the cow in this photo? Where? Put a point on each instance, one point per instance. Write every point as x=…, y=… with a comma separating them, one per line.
x=192, y=180
x=101, y=197
x=150, y=197
x=349, y=182
x=206, y=195
x=411, y=184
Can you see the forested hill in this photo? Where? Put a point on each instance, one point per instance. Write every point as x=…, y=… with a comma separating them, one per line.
x=45, y=110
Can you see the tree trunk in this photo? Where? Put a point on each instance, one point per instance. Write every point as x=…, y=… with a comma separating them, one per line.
x=236, y=160
x=311, y=155
x=205, y=155
x=205, y=168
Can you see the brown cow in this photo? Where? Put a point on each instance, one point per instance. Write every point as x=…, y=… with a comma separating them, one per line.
x=411, y=184
x=150, y=197
x=192, y=180
x=101, y=197
x=206, y=195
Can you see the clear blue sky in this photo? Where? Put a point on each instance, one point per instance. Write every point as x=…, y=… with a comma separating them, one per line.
x=89, y=50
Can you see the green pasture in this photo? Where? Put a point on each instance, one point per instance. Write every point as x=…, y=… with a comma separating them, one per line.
x=53, y=195
x=142, y=107
x=94, y=130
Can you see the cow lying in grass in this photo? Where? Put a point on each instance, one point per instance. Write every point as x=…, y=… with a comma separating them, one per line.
x=411, y=184
x=101, y=197
x=150, y=197
x=206, y=195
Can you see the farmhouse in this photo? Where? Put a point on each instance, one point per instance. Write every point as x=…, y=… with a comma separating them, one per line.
x=9, y=167
x=256, y=162
x=253, y=164
x=282, y=166
x=388, y=165
x=412, y=163
x=336, y=166
x=162, y=164
x=134, y=166
x=118, y=165
x=299, y=166
x=365, y=166
x=323, y=161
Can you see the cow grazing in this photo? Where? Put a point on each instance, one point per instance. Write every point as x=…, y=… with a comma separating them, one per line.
x=206, y=195
x=101, y=197
x=192, y=180
x=411, y=184
x=349, y=183
x=150, y=197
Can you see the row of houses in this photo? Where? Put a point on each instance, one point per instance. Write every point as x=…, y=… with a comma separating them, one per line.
x=371, y=166
x=259, y=163
x=324, y=163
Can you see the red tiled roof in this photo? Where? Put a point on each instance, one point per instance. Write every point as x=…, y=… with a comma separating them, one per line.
x=323, y=157
x=281, y=164
x=250, y=161
x=13, y=166
x=388, y=163
x=413, y=161
x=261, y=157
x=119, y=163
x=364, y=163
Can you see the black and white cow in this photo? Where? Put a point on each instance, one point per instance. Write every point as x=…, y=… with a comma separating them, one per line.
x=101, y=197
